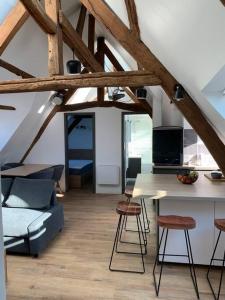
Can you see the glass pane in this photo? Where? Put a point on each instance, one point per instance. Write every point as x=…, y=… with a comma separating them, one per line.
x=5, y=7
x=138, y=140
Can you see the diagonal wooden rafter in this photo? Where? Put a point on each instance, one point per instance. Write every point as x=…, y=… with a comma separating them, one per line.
x=223, y=2
x=11, y=25
x=132, y=17
x=81, y=50
x=81, y=20
x=13, y=69
x=37, y=11
x=91, y=33
x=133, y=20
x=141, y=53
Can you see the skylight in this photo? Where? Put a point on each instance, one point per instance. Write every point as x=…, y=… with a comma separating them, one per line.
x=5, y=7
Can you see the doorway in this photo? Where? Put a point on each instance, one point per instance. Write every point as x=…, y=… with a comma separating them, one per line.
x=80, y=151
x=136, y=146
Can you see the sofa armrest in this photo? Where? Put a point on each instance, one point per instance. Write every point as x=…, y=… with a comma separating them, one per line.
x=42, y=230
x=54, y=213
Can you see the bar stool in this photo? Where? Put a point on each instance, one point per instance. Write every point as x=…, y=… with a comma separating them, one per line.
x=129, y=209
x=176, y=223
x=128, y=193
x=219, y=224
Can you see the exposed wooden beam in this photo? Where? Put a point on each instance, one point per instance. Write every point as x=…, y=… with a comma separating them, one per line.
x=133, y=21
x=11, y=25
x=81, y=20
x=81, y=50
x=113, y=59
x=131, y=90
x=101, y=60
x=93, y=104
x=132, y=17
x=141, y=53
x=91, y=33
x=36, y=10
x=55, y=42
x=13, y=69
x=100, y=79
x=6, y=107
x=223, y=2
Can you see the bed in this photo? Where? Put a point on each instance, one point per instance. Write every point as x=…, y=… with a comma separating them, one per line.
x=80, y=172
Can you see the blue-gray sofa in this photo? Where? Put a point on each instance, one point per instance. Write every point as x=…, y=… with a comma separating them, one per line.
x=32, y=217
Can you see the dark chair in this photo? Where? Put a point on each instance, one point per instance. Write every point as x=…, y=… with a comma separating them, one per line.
x=45, y=174
x=134, y=167
x=58, y=170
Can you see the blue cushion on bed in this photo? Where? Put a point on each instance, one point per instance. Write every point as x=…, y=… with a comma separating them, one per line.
x=5, y=188
x=31, y=193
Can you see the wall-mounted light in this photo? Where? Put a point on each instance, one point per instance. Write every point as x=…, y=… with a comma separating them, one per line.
x=141, y=93
x=56, y=98
x=179, y=92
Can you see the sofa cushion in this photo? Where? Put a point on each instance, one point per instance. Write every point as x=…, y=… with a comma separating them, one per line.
x=17, y=220
x=5, y=188
x=31, y=193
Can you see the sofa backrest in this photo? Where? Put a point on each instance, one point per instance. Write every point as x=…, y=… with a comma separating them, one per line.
x=6, y=184
x=31, y=193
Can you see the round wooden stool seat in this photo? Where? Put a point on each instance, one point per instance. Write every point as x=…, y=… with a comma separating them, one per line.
x=128, y=209
x=176, y=222
x=220, y=224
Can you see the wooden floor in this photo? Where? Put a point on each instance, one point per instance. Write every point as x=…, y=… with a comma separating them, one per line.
x=75, y=266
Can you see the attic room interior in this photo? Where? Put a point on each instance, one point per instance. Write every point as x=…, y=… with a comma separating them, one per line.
x=112, y=140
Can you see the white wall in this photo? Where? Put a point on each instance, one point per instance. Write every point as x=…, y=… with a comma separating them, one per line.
x=50, y=148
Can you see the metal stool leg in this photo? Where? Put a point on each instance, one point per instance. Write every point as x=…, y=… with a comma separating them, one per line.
x=115, y=241
x=145, y=220
x=157, y=286
x=115, y=245
x=147, y=223
x=191, y=262
x=216, y=297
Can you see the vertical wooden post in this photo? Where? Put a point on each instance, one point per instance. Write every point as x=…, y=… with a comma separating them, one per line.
x=91, y=33
x=101, y=59
x=55, y=44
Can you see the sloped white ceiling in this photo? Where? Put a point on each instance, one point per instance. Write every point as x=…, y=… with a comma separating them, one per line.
x=186, y=36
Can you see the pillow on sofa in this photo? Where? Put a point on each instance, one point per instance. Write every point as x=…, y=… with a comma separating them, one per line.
x=5, y=188
x=31, y=193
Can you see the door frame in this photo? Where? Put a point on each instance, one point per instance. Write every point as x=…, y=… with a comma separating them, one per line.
x=92, y=114
x=123, y=114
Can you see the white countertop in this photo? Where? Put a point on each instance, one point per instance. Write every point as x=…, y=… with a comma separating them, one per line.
x=167, y=185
